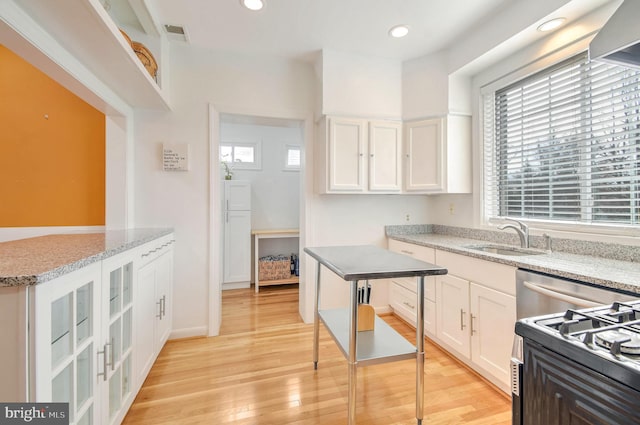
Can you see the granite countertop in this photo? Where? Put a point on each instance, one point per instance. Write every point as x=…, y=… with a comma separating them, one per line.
x=606, y=272
x=36, y=260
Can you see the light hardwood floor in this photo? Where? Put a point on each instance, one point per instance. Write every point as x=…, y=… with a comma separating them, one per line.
x=260, y=371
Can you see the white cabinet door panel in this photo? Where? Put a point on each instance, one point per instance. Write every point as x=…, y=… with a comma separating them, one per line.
x=494, y=316
x=424, y=155
x=452, y=298
x=346, y=154
x=237, y=246
x=385, y=156
x=237, y=195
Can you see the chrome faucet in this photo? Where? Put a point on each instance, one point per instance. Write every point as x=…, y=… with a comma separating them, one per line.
x=521, y=229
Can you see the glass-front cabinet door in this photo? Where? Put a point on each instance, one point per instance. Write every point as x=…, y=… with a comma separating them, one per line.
x=66, y=317
x=118, y=324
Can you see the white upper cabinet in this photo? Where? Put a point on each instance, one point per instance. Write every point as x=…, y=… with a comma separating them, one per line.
x=359, y=156
x=438, y=155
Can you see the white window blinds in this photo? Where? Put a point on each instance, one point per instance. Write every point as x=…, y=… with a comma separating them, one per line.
x=564, y=145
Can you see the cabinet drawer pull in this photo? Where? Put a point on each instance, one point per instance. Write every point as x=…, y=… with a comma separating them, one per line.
x=404, y=251
x=472, y=330
x=412, y=307
x=462, y=325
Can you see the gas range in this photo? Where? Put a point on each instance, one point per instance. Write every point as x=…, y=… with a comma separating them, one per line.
x=580, y=366
x=606, y=338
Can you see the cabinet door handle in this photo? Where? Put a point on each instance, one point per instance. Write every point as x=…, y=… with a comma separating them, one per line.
x=163, y=307
x=371, y=155
x=105, y=363
x=111, y=351
x=472, y=330
x=462, y=325
x=404, y=251
x=159, y=304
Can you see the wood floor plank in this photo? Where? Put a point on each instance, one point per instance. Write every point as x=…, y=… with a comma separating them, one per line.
x=260, y=371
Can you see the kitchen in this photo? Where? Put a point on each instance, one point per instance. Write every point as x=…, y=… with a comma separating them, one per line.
x=202, y=86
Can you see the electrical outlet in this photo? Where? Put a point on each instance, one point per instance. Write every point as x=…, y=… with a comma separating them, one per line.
x=408, y=217
x=452, y=209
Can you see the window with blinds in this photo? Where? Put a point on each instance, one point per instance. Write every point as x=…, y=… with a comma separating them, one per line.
x=564, y=145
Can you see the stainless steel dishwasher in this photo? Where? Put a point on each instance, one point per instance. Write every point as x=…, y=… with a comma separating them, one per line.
x=538, y=294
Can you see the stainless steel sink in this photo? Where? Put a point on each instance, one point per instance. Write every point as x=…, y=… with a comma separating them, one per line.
x=505, y=250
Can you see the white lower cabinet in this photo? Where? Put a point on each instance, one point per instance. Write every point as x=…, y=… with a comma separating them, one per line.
x=237, y=247
x=403, y=297
x=153, y=297
x=476, y=314
x=79, y=336
x=471, y=311
x=68, y=337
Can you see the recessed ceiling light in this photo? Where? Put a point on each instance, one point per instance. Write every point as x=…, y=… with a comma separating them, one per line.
x=399, y=31
x=551, y=25
x=253, y=4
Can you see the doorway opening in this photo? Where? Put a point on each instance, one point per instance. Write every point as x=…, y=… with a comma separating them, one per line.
x=263, y=156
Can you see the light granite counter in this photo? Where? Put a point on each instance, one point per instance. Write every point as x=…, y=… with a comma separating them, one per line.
x=603, y=269
x=36, y=260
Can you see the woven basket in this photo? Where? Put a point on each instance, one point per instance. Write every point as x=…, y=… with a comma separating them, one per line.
x=274, y=269
x=146, y=58
x=126, y=37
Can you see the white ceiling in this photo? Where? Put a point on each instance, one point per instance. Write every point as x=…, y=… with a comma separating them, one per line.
x=300, y=28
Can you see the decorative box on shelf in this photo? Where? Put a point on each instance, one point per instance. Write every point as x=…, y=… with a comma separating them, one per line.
x=274, y=267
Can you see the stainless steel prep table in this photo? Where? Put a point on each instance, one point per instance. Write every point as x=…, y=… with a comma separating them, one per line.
x=383, y=344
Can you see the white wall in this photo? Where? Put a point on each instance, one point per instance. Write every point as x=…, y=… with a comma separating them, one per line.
x=425, y=87
x=359, y=220
x=360, y=86
x=275, y=192
x=181, y=199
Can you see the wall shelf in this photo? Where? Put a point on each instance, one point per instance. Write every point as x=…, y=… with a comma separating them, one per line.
x=87, y=32
x=258, y=235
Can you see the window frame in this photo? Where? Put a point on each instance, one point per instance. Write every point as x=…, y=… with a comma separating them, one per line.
x=256, y=145
x=540, y=67
x=288, y=147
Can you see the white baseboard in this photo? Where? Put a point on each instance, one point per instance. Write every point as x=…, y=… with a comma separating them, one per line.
x=383, y=310
x=188, y=332
x=236, y=285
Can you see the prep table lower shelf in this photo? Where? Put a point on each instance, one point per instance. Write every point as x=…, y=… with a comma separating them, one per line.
x=381, y=345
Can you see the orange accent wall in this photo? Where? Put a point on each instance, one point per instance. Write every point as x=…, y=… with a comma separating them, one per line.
x=52, y=151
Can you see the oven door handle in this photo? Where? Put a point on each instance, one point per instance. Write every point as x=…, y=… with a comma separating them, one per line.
x=580, y=302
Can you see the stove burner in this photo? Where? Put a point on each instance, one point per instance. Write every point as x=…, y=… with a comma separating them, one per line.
x=619, y=341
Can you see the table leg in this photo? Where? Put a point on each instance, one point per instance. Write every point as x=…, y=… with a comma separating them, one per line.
x=420, y=352
x=256, y=255
x=316, y=320
x=353, y=344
